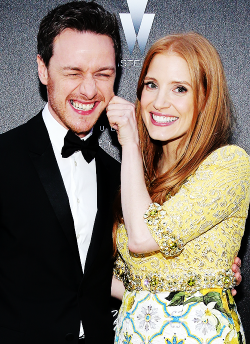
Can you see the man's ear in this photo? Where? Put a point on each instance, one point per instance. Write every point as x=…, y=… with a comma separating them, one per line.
x=42, y=70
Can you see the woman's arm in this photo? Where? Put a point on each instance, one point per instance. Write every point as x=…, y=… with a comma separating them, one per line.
x=217, y=194
x=134, y=194
x=117, y=288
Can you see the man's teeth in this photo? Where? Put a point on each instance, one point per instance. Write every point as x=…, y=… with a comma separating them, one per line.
x=81, y=106
x=164, y=119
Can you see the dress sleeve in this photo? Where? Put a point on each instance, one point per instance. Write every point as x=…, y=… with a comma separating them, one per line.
x=219, y=190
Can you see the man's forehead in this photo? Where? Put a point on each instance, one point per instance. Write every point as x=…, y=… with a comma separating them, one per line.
x=71, y=34
x=83, y=50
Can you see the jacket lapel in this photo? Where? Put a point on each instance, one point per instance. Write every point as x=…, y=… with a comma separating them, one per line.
x=43, y=158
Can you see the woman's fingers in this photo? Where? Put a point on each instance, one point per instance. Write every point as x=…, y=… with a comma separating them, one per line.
x=121, y=108
x=119, y=100
x=121, y=116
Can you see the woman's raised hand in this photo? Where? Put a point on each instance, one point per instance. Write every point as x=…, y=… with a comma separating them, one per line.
x=121, y=116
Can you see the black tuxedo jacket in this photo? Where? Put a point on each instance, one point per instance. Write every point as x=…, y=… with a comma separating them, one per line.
x=43, y=292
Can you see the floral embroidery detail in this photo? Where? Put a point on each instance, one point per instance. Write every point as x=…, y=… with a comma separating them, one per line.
x=209, y=318
x=225, y=279
x=165, y=318
x=130, y=303
x=154, y=213
x=191, y=282
x=188, y=281
x=232, y=337
x=203, y=325
x=127, y=339
x=169, y=244
x=148, y=317
x=174, y=341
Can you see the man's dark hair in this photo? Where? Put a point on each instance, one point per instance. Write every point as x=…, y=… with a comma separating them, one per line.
x=80, y=16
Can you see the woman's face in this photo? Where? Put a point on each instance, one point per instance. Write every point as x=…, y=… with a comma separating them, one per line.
x=167, y=104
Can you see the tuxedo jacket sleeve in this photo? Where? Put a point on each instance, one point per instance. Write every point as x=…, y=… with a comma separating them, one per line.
x=43, y=291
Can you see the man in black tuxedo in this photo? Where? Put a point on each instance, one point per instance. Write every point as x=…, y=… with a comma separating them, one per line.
x=55, y=209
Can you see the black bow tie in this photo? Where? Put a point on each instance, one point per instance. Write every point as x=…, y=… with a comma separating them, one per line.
x=73, y=143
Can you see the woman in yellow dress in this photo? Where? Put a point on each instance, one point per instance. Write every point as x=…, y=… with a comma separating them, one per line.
x=184, y=200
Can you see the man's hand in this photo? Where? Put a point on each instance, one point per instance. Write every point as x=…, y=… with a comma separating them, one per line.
x=237, y=273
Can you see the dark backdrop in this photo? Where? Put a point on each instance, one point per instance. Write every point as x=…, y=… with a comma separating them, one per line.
x=224, y=22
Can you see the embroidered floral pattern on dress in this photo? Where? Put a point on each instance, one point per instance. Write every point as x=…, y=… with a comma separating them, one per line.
x=154, y=217
x=188, y=281
x=127, y=339
x=148, y=317
x=203, y=326
x=174, y=341
x=207, y=316
x=199, y=231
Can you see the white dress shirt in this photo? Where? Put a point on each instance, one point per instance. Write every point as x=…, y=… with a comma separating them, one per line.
x=80, y=183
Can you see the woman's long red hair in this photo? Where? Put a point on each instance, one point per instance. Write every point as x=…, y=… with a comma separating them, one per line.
x=211, y=124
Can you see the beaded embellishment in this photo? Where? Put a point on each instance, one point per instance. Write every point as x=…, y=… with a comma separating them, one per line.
x=154, y=217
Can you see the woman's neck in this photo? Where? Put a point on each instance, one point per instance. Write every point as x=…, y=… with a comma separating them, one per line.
x=166, y=162
x=170, y=155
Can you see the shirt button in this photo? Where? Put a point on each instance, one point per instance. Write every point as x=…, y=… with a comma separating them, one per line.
x=75, y=163
x=78, y=201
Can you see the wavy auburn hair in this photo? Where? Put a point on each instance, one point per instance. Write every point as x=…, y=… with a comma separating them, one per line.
x=211, y=123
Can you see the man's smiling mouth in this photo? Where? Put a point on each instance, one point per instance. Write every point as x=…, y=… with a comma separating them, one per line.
x=80, y=106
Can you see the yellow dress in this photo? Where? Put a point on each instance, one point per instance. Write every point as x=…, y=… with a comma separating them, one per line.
x=181, y=293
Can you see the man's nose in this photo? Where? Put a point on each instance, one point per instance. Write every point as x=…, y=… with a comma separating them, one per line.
x=88, y=87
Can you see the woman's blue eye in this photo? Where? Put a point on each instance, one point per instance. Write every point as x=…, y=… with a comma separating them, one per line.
x=150, y=84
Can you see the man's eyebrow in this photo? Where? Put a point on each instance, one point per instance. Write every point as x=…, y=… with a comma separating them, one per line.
x=106, y=68
x=111, y=68
x=72, y=68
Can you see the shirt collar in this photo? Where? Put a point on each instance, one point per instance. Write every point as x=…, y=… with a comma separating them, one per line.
x=56, y=131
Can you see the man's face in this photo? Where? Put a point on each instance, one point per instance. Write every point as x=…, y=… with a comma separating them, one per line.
x=79, y=79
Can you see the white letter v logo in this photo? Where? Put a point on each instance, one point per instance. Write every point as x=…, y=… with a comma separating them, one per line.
x=136, y=24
